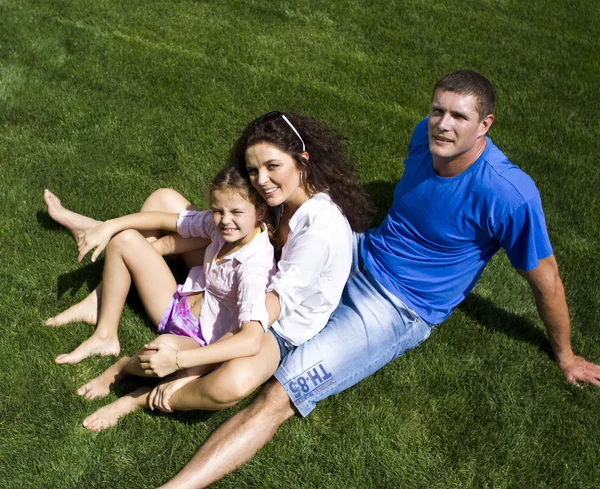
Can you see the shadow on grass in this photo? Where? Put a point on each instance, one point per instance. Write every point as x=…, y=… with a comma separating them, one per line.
x=490, y=316
x=381, y=194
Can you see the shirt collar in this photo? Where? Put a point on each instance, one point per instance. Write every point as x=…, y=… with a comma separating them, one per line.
x=309, y=210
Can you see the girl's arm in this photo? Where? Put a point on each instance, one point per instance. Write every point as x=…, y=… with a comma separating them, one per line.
x=99, y=236
x=173, y=244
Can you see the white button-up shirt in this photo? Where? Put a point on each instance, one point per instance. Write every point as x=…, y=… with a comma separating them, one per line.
x=313, y=270
x=235, y=286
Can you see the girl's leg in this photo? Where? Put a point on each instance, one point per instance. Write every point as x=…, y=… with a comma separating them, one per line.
x=86, y=311
x=75, y=223
x=164, y=200
x=128, y=255
x=231, y=382
x=100, y=386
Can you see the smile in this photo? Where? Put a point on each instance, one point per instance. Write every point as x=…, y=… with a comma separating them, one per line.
x=443, y=139
x=270, y=190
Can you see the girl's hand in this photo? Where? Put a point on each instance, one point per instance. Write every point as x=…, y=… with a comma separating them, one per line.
x=159, y=359
x=161, y=395
x=96, y=237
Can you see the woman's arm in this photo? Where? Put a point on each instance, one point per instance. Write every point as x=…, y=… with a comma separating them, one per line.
x=161, y=359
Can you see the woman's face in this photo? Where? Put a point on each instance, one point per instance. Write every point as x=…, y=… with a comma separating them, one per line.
x=275, y=175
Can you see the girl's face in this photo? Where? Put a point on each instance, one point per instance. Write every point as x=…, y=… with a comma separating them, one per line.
x=235, y=218
x=275, y=175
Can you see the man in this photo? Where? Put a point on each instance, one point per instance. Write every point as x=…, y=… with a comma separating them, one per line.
x=458, y=201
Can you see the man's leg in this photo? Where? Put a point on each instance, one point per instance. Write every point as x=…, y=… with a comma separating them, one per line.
x=237, y=440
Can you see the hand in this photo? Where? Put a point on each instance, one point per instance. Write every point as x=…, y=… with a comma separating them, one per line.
x=158, y=359
x=161, y=395
x=96, y=237
x=578, y=369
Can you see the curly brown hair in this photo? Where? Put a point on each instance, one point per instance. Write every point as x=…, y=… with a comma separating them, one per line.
x=328, y=168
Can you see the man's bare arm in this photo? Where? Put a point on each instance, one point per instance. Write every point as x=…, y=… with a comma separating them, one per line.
x=551, y=303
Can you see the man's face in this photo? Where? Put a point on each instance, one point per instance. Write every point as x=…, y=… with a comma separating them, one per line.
x=454, y=125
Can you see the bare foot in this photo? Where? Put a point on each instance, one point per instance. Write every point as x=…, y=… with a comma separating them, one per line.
x=101, y=385
x=94, y=345
x=85, y=311
x=108, y=416
x=75, y=223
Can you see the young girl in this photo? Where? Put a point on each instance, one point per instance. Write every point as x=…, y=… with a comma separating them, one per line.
x=237, y=267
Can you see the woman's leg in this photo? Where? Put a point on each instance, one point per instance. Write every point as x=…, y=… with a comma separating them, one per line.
x=100, y=386
x=231, y=382
x=107, y=416
x=128, y=256
x=164, y=200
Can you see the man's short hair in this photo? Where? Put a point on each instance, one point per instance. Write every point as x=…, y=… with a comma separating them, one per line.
x=468, y=82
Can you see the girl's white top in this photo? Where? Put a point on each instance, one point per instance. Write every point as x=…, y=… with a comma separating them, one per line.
x=234, y=286
x=313, y=269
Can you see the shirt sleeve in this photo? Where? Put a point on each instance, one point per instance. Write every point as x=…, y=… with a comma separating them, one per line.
x=195, y=224
x=252, y=288
x=524, y=236
x=299, y=271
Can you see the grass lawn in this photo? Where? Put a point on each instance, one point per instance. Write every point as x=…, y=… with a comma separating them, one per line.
x=103, y=102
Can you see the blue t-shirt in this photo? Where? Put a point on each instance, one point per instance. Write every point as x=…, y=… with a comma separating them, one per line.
x=439, y=234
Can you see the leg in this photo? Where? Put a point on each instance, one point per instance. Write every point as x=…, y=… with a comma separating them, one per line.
x=128, y=255
x=86, y=311
x=75, y=223
x=230, y=383
x=100, y=386
x=107, y=416
x=237, y=440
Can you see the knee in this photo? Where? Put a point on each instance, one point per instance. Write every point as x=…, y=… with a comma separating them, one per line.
x=165, y=200
x=274, y=401
x=123, y=240
x=239, y=386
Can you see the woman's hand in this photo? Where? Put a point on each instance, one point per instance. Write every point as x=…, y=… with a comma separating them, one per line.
x=96, y=237
x=159, y=359
x=161, y=395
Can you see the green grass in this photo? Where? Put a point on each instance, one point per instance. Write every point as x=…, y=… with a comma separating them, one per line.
x=103, y=102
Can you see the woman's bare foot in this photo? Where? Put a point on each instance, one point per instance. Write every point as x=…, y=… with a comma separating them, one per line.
x=94, y=345
x=101, y=385
x=75, y=223
x=85, y=311
x=108, y=416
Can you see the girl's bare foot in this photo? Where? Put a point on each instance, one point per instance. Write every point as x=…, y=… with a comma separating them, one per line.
x=108, y=416
x=85, y=311
x=75, y=223
x=101, y=385
x=94, y=345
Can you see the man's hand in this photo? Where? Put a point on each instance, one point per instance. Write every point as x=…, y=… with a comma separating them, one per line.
x=578, y=369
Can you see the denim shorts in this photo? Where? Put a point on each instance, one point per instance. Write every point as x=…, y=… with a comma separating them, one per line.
x=369, y=328
x=285, y=346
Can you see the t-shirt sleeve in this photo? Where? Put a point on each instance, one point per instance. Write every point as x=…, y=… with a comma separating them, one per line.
x=254, y=277
x=196, y=224
x=524, y=236
x=298, y=274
